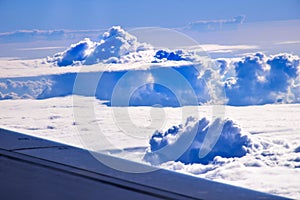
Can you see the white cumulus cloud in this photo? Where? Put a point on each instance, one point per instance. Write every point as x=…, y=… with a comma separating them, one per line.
x=116, y=46
x=261, y=79
x=168, y=146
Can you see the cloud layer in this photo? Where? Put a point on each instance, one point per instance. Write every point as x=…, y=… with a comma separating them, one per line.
x=31, y=35
x=253, y=79
x=23, y=89
x=216, y=25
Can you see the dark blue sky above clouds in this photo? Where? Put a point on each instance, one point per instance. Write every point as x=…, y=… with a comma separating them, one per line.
x=98, y=14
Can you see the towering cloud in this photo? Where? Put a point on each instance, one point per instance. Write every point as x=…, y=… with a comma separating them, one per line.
x=283, y=72
x=74, y=54
x=179, y=143
x=116, y=43
x=116, y=46
x=260, y=79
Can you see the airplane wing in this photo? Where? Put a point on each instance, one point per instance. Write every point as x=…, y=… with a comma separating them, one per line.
x=35, y=168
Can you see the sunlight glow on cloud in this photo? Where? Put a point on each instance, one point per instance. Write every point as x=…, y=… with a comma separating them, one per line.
x=76, y=53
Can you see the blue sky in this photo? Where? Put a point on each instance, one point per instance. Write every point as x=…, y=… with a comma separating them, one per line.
x=98, y=14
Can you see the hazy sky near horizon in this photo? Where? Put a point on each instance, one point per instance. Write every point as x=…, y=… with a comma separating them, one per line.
x=98, y=14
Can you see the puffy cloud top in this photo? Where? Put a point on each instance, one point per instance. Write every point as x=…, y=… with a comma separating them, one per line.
x=74, y=54
x=116, y=43
x=260, y=79
x=284, y=69
x=232, y=142
x=115, y=47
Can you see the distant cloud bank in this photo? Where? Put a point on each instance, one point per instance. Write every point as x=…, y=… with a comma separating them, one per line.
x=34, y=35
x=216, y=25
x=42, y=35
x=253, y=79
x=31, y=35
